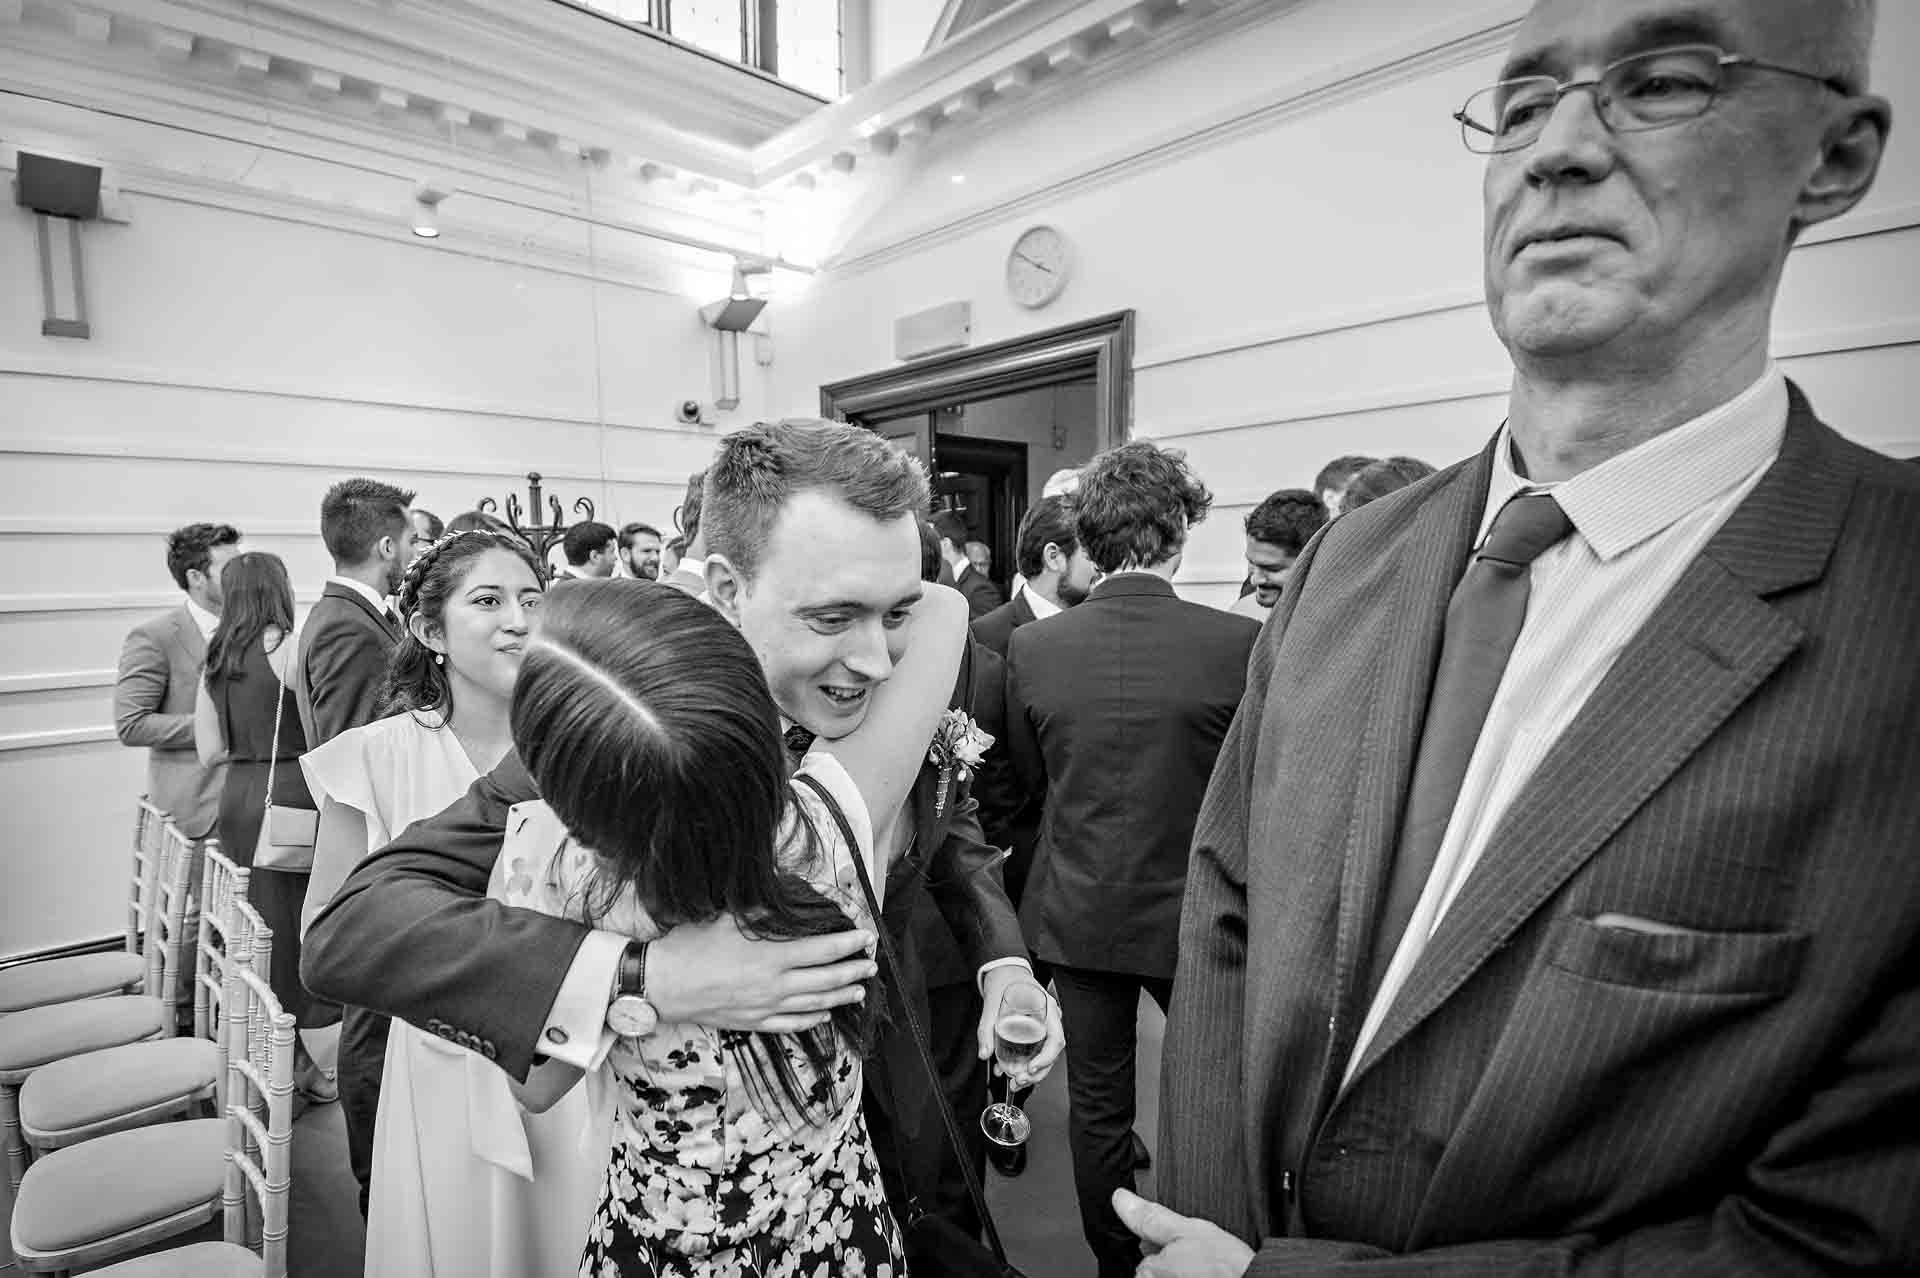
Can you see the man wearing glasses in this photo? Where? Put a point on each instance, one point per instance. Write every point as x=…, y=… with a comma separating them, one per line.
x=1555, y=905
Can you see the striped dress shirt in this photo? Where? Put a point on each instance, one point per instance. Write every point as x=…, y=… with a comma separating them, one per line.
x=1639, y=520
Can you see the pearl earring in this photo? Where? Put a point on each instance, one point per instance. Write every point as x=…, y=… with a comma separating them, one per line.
x=439, y=658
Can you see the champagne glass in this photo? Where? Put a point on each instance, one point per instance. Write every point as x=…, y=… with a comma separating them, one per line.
x=1019, y=1032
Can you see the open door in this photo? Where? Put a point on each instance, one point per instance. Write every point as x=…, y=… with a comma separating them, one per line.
x=911, y=434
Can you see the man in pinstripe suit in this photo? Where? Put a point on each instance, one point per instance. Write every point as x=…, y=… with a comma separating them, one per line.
x=1651, y=1003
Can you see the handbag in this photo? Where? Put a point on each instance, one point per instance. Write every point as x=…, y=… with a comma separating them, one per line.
x=935, y=1246
x=287, y=834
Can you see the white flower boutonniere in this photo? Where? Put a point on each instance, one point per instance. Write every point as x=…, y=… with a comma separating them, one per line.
x=959, y=744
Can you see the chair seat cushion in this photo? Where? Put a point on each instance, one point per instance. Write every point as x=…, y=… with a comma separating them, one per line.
x=40, y=1034
x=81, y=1091
x=202, y=1260
x=92, y=1191
x=62, y=980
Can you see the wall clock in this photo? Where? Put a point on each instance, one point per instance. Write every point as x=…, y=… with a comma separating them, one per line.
x=1037, y=266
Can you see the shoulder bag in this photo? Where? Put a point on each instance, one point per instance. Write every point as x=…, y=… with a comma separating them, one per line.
x=286, y=834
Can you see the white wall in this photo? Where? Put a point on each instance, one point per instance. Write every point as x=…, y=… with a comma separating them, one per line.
x=1294, y=220
x=242, y=361
x=897, y=31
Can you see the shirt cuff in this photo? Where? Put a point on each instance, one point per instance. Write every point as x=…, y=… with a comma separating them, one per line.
x=576, y=1031
x=980, y=980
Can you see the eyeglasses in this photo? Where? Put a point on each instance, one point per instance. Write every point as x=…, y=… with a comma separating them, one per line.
x=1646, y=91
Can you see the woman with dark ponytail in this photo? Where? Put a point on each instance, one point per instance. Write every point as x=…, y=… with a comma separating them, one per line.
x=468, y=604
x=646, y=720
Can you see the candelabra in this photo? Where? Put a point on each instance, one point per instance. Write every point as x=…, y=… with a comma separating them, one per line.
x=540, y=536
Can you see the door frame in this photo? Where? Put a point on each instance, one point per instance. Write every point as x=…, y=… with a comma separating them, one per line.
x=1100, y=348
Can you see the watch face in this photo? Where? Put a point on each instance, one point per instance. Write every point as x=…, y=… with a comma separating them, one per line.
x=631, y=1016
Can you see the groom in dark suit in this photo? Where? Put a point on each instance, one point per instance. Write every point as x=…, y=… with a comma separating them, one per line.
x=1555, y=905
x=787, y=514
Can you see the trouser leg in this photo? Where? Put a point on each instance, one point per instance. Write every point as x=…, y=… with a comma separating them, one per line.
x=363, y=1057
x=955, y=1027
x=1100, y=1011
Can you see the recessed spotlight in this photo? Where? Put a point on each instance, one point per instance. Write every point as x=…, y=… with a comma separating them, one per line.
x=426, y=210
x=959, y=179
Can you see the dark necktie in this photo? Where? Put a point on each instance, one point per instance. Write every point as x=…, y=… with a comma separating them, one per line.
x=1483, y=621
x=799, y=740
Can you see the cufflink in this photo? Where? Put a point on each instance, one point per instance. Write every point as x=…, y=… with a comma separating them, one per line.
x=556, y=1036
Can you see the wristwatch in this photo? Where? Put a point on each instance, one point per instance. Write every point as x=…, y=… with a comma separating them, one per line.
x=630, y=1014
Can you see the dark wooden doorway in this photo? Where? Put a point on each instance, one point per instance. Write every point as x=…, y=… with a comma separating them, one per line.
x=985, y=480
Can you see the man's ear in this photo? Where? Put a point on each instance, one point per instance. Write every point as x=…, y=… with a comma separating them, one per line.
x=1848, y=160
x=386, y=548
x=1053, y=557
x=726, y=587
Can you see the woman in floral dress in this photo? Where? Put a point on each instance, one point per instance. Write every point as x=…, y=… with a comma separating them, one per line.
x=647, y=723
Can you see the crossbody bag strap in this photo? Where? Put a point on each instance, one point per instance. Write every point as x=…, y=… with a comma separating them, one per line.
x=913, y=1022
x=273, y=747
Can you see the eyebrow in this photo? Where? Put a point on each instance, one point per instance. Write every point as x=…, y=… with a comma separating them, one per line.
x=858, y=605
x=1655, y=31
x=498, y=590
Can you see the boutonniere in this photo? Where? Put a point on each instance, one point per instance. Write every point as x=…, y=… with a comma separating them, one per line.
x=959, y=744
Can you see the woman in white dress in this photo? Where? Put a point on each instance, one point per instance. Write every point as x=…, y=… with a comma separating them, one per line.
x=646, y=720
x=456, y=1192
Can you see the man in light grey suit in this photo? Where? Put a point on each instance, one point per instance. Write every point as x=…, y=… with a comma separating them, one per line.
x=1554, y=907
x=160, y=667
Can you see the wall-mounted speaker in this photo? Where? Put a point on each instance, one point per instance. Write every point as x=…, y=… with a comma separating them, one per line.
x=58, y=188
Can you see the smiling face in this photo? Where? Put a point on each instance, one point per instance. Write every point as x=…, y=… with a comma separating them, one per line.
x=1648, y=244
x=1268, y=566
x=643, y=557
x=485, y=624
x=826, y=608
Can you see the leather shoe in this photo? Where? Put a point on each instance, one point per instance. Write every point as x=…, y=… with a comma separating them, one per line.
x=1142, y=1157
x=315, y=1086
x=1009, y=1162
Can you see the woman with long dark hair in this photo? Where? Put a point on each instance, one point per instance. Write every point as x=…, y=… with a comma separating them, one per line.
x=246, y=713
x=647, y=722
x=440, y=1205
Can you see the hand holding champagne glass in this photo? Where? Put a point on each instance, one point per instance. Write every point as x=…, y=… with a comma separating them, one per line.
x=1019, y=1032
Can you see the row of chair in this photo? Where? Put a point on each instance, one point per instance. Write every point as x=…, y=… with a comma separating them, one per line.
x=103, y=1149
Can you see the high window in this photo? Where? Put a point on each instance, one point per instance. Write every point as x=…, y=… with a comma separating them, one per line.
x=796, y=40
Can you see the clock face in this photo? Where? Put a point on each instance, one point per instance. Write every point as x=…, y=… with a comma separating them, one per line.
x=1037, y=266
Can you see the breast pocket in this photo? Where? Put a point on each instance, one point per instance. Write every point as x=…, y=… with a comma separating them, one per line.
x=1681, y=960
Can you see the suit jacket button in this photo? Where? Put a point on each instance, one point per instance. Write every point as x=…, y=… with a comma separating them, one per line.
x=556, y=1036
x=486, y=1048
x=446, y=1032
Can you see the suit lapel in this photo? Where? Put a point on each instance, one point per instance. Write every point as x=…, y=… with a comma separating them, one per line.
x=188, y=633
x=1022, y=610
x=1709, y=645
x=1429, y=558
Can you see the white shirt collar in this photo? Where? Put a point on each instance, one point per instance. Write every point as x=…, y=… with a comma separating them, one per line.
x=362, y=589
x=202, y=618
x=1640, y=493
x=1042, y=607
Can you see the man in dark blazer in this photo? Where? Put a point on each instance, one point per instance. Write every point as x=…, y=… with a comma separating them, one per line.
x=1057, y=571
x=344, y=649
x=1656, y=1009
x=161, y=665
x=1115, y=711
x=982, y=595
x=809, y=581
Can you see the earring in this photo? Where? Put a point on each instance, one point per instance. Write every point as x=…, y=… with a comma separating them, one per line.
x=439, y=658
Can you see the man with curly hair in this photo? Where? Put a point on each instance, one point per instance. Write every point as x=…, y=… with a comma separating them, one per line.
x=1115, y=710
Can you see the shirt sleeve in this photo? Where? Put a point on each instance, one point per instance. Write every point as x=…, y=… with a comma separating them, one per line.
x=343, y=770
x=576, y=1031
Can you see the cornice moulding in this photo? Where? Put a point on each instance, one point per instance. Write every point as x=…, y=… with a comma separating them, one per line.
x=1435, y=49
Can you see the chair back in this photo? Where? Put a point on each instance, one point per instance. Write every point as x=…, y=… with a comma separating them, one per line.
x=259, y=1122
x=149, y=841
x=167, y=933
x=223, y=887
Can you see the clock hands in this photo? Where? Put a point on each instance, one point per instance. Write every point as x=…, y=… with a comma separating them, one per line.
x=1030, y=262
